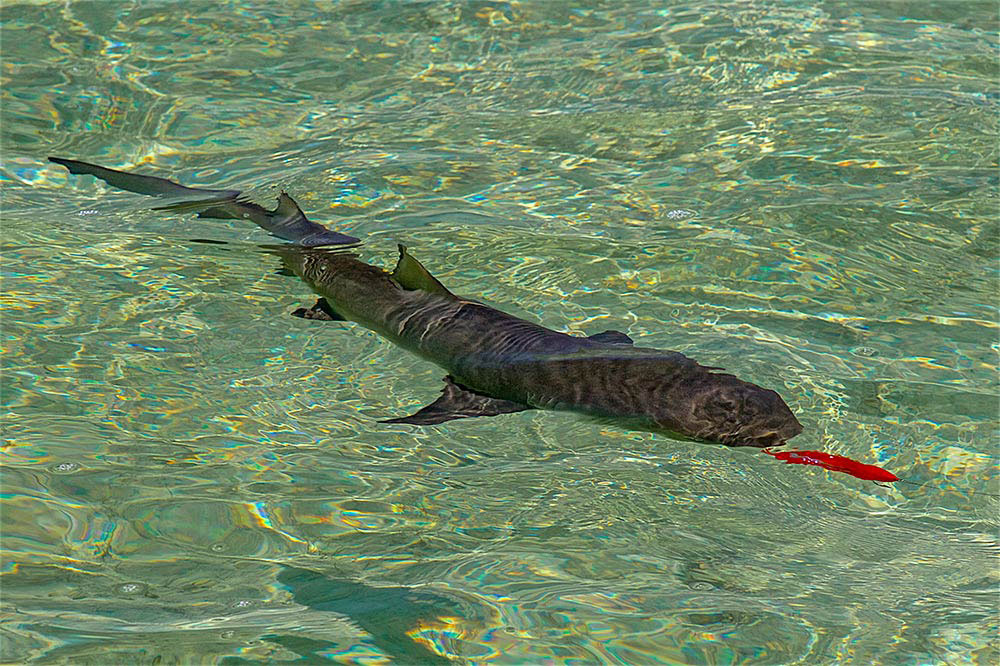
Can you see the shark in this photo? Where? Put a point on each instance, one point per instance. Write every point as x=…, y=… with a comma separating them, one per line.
x=286, y=221
x=496, y=363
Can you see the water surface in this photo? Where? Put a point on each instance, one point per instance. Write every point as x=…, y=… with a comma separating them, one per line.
x=803, y=193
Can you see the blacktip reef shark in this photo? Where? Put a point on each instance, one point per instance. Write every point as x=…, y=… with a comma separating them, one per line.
x=496, y=363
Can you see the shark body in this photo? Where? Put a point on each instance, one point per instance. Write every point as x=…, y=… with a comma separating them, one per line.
x=497, y=363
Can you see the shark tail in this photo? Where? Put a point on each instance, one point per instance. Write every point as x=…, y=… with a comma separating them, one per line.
x=286, y=221
x=133, y=182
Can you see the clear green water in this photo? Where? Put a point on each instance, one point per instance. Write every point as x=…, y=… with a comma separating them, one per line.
x=804, y=193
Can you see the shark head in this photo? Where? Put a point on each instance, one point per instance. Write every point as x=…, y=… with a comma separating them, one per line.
x=737, y=413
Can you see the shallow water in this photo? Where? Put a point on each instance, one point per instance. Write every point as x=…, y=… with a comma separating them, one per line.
x=803, y=193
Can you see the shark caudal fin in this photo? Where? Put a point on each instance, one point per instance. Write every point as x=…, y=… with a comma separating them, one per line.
x=286, y=221
x=411, y=275
x=133, y=182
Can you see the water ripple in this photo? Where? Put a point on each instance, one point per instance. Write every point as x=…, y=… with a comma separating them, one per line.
x=804, y=195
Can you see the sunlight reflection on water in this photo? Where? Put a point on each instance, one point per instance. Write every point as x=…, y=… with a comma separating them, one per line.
x=804, y=195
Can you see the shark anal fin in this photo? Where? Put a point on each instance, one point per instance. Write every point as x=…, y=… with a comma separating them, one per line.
x=613, y=337
x=411, y=275
x=321, y=311
x=457, y=402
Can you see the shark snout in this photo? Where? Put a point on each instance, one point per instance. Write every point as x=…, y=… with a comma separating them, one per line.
x=768, y=420
x=743, y=414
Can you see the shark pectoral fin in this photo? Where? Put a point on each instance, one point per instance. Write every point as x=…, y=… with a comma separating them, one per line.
x=411, y=275
x=134, y=182
x=321, y=311
x=613, y=337
x=457, y=402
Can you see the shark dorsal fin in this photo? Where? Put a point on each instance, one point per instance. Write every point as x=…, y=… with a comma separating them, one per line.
x=287, y=208
x=411, y=275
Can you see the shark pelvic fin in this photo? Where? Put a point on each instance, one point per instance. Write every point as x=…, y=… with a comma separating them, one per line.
x=321, y=311
x=411, y=275
x=457, y=402
x=612, y=337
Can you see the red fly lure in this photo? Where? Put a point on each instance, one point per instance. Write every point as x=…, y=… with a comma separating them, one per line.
x=834, y=463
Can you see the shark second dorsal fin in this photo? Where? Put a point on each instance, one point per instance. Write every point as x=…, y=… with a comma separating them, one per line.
x=411, y=275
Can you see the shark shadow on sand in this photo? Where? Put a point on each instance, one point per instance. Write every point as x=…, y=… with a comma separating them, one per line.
x=389, y=614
